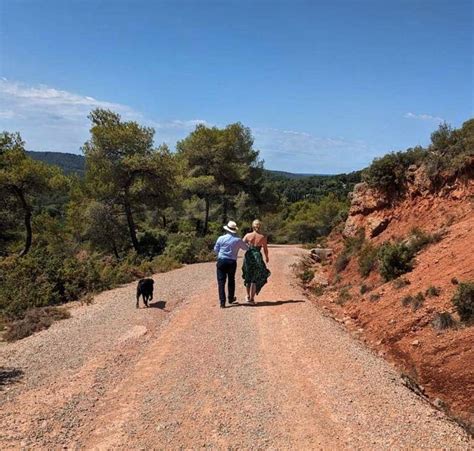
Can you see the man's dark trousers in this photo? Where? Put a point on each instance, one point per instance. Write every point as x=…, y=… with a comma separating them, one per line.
x=226, y=268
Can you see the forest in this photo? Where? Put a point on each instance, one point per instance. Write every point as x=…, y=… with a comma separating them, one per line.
x=137, y=208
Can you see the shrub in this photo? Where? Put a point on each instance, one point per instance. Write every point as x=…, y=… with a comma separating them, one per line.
x=306, y=276
x=419, y=239
x=352, y=245
x=343, y=296
x=432, y=291
x=341, y=262
x=152, y=242
x=35, y=319
x=400, y=283
x=407, y=300
x=367, y=259
x=364, y=288
x=317, y=290
x=463, y=300
x=443, y=321
x=374, y=297
x=395, y=259
x=164, y=263
x=187, y=248
x=416, y=301
x=388, y=173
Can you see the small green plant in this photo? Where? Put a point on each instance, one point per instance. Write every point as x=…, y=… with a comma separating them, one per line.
x=317, y=290
x=400, y=283
x=463, y=301
x=341, y=262
x=443, y=321
x=352, y=245
x=395, y=259
x=364, y=288
x=419, y=239
x=367, y=259
x=374, y=297
x=407, y=300
x=343, y=296
x=416, y=301
x=432, y=291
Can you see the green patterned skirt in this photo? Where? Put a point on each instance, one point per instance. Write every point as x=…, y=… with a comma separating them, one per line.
x=254, y=269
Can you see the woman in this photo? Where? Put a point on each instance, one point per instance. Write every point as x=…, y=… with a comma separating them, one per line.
x=255, y=273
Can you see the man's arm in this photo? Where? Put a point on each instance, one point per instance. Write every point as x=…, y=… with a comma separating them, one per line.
x=217, y=246
x=243, y=245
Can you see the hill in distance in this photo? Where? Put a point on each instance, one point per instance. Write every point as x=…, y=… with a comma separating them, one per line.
x=75, y=164
x=70, y=163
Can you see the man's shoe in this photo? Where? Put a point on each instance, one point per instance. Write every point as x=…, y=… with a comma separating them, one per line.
x=222, y=305
x=231, y=301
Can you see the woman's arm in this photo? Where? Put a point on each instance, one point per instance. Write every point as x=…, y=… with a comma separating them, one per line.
x=265, y=249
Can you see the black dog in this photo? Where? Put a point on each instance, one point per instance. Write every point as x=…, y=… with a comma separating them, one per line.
x=145, y=289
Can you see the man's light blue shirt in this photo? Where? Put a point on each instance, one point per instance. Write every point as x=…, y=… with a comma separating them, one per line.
x=228, y=245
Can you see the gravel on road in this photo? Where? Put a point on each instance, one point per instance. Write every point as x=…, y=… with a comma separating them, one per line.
x=276, y=375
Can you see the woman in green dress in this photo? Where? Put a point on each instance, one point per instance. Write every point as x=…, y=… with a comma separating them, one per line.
x=255, y=272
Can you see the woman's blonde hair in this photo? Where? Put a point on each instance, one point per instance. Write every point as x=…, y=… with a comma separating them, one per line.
x=256, y=225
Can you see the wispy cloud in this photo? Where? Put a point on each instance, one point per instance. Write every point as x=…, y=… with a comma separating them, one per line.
x=300, y=151
x=55, y=119
x=423, y=117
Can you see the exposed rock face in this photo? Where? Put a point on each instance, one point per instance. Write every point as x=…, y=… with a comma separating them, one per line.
x=364, y=201
x=377, y=225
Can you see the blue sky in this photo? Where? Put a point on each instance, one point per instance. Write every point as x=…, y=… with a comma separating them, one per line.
x=325, y=86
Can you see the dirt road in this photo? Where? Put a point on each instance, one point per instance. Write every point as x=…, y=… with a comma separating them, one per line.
x=187, y=374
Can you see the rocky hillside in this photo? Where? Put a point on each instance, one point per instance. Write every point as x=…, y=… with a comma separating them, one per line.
x=401, y=267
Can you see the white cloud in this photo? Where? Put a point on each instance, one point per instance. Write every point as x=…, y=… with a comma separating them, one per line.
x=56, y=120
x=297, y=151
x=423, y=117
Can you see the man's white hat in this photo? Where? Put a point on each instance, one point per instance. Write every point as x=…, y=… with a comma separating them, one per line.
x=231, y=227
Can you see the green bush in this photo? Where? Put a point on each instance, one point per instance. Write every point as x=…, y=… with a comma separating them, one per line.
x=364, y=288
x=367, y=259
x=306, y=276
x=152, y=242
x=416, y=301
x=317, y=290
x=388, y=173
x=463, y=301
x=443, y=321
x=395, y=259
x=343, y=296
x=341, y=262
x=433, y=291
x=419, y=239
x=400, y=283
x=374, y=297
x=187, y=248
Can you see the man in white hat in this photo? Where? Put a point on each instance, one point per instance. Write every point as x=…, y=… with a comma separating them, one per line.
x=227, y=248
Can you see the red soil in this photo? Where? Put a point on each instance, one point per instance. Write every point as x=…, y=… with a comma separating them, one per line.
x=442, y=362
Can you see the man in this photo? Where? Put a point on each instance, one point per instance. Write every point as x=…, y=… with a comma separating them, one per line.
x=227, y=247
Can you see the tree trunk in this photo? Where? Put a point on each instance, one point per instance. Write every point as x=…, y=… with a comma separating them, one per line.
x=206, y=217
x=163, y=217
x=27, y=219
x=224, y=210
x=115, y=251
x=131, y=223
